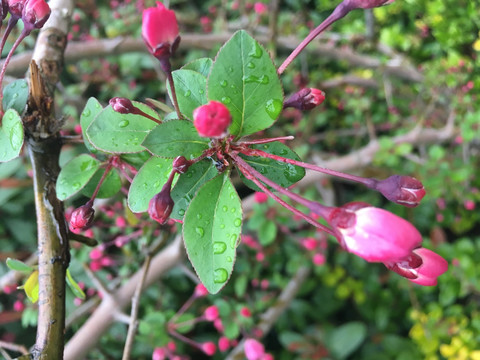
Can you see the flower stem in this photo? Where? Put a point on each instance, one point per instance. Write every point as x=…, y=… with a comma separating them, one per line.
x=167, y=69
x=253, y=175
x=25, y=32
x=370, y=183
x=340, y=11
x=265, y=141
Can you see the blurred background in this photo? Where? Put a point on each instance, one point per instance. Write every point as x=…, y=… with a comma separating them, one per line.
x=402, y=85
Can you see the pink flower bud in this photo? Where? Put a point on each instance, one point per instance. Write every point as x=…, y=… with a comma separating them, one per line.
x=403, y=190
x=223, y=343
x=201, y=290
x=260, y=197
x=309, y=243
x=318, y=259
x=422, y=267
x=469, y=205
x=172, y=346
x=181, y=164
x=160, y=30
x=260, y=8
x=245, y=312
x=209, y=348
x=254, y=350
x=217, y=323
x=161, y=205
x=82, y=217
x=212, y=120
x=96, y=254
x=372, y=233
x=305, y=99
x=211, y=313
x=159, y=354
x=18, y=306
x=36, y=13
x=15, y=7
x=122, y=105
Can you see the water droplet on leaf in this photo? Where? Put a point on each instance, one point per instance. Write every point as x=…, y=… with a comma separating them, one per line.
x=223, y=83
x=219, y=247
x=187, y=93
x=256, y=51
x=225, y=208
x=123, y=123
x=237, y=222
x=273, y=108
x=200, y=231
x=226, y=100
x=220, y=275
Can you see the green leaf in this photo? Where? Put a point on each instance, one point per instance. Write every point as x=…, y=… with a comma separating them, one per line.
x=244, y=78
x=283, y=174
x=15, y=95
x=75, y=175
x=11, y=136
x=117, y=133
x=111, y=185
x=201, y=66
x=186, y=323
x=188, y=184
x=175, y=138
x=31, y=287
x=211, y=230
x=72, y=284
x=191, y=90
x=17, y=265
x=149, y=181
x=267, y=233
x=91, y=110
x=347, y=338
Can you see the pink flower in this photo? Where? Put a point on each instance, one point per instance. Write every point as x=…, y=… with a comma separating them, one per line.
x=211, y=313
x=160, y=30
x=217, y=323
x=36, y=13
x=159, y=354
x=18, y=306
x=469, y=205
x=96, y=254
x=254, y=350
x=309, y=243
x=318, y=259
x=209, y=348
x=212, y=120
x=403, y=190
x=15, y=7
x=374, y=234
x=223, y=343
x=260, y=197
x=201, y=290
x=245, y=312
x=260, y=8
x=422, y=267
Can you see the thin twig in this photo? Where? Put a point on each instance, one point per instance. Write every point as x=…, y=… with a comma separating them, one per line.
x=132, y=329
x=14, y=347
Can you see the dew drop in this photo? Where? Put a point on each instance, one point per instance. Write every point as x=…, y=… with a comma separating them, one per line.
x=187, y=93
x=15, y=139
x=233, y=210
x=284, y=152
x=157, y=184
x=223, y=83
x=24, y=85
x=222, y=226
x=237, y=222
x=86, y=165
x=233, y=241
x=15, y=95
x=199, y=216
x=251, y=65
x=225, y=208
x=230, y=69
x=256, y=51
x=201, y=91
x=145, y=185
x=226, y=100
x=290, y=173
x=199, y=230
x=229, y=259
x=264, y=79
x=123, y=123
x=273, y=108
x=232, y=195
x=63, y=195
x=220, y=275
x=219, y=247
x=76, y=185
x=181, y=212
x=86, y=112
x=14, y=84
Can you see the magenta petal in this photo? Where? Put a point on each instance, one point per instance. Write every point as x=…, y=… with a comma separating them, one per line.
x=433, y=264
x=379, y=235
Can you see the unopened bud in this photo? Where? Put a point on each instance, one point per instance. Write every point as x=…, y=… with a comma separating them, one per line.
x=161, y=205
x=403, y=190
x=15, y=7
x=36, y=13
x=305, y=99
x=81, y=217
x=122, y=105
x=212, y=120
x=181, y=164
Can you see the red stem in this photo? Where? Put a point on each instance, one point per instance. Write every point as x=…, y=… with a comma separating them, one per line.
x=340, y=11
x=370, y=183
x=265, y=141
x=253, y=175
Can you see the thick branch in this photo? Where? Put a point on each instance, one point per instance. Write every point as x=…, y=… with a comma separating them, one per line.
x=100, y=48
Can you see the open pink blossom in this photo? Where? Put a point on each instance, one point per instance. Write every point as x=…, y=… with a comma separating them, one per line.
x=373, y=233
x=254, y=350
x=421, y=267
